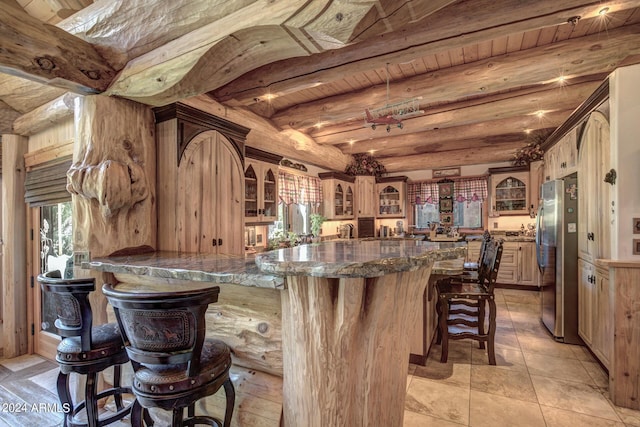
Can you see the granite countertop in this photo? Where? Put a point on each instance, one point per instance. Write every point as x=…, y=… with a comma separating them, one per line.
x=241, y=270
x=476, y=237
x=357, y=258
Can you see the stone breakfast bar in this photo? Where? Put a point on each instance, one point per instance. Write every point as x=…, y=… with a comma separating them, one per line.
x=336, y=318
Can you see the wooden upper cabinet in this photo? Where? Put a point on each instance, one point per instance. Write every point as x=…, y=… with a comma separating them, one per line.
x=562, y=159
x=260, y=192
x=510, y=193
x=392, y=197
x=366, y=196
x=594, y=202
x=338, y=195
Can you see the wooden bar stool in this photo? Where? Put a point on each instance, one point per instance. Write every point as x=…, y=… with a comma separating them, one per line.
x=85, y=350
x=175, y=365
x=452, y=290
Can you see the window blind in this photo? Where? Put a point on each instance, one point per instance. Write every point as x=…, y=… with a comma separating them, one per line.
x=47, y=184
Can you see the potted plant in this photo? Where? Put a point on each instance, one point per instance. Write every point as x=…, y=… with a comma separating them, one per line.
x=316, y=223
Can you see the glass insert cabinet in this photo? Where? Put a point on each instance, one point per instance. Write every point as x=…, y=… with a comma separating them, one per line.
x=510, y=193
x=260, y=191
x=391, y=197
x=338, y=195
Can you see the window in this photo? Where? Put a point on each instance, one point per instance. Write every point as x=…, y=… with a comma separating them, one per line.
x=465, y=214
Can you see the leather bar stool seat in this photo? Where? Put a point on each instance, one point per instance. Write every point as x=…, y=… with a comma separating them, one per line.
x=175, y=364
x=85, y=350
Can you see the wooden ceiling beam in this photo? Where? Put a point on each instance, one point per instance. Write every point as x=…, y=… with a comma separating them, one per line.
x=217, y=53
x=476, y=153
x=47, y=54
x=46, y=115
x=441, y=31
x=452, y=137
x=7, y=117
x=494, y=107
x=593, y=54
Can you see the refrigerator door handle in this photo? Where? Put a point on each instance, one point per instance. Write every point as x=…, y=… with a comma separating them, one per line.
x=539, y=237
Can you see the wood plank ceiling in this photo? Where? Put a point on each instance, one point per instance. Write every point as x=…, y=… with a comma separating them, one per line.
x=487, y=74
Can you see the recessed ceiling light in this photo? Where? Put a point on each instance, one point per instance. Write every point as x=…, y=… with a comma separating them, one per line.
x=527, y=131
x=540, y=113
x=603, y=11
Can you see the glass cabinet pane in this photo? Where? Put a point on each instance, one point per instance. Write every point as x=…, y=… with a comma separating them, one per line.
x=511, y=195
x=270, y=194
x=250, y=193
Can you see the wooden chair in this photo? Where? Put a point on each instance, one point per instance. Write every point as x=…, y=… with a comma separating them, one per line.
x=471, y=266
x=85, y=350
x=175, y=365
x=452, y=290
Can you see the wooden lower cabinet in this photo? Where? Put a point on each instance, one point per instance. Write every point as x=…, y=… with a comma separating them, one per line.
x=586, y=301
x=518, y=265
x=595, y=314
x=603, y=326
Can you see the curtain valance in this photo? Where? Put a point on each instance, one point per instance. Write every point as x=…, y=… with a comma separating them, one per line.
x=464, y=189
x=299, y=189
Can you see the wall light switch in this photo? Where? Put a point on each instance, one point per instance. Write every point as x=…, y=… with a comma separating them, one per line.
x=81, y=256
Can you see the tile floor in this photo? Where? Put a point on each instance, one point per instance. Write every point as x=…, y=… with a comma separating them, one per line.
x=537, y=382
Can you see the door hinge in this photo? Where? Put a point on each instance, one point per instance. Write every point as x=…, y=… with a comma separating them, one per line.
x=31, y=233
x=33, y=329
x=32, y=282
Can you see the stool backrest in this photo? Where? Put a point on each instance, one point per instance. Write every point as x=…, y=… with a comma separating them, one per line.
x=162, y=328
x=486, y=238
x=488, y=268
x=71, y=300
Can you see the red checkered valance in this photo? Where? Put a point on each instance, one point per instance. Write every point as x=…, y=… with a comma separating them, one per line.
x=470, y=189
x=423, y=192
x=310, y=190
x=464, y=189
x=299, y=189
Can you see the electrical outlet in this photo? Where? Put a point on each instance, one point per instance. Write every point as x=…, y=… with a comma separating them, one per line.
x=81, y=256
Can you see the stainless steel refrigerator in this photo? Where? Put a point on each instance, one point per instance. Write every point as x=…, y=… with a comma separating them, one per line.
x=557, y=254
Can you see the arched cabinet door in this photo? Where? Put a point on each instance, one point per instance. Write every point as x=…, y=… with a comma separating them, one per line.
x=208, y=205
x=510, y=193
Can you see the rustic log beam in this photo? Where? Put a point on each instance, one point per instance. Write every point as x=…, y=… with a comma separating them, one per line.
x=452, y=138
x=47, y=54
x=219, y=52
x=475, y=153
x=265, y=136
x=7, y=116
x=570, y=58
x=24, y=95
x=494, y=107
x=46, y=115
x=446, y=29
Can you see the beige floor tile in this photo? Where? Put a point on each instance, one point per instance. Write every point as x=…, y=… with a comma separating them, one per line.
x=582, y=353
x=452, y=373
x=412, y=419
x=628, y=416
x=522, y=297
x=507, y=338
x=433, y=398
x=506, y=357
x=514, y=384
x=555, y=417
x=557, y=367
x=530, y=309
x=21, y=362
x=546, y=346
x=597, y=374
x=459, y=351
x=488, y=410
x=572, y=396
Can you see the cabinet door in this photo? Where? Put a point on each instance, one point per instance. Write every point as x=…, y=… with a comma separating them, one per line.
x=508, y=271
x=366, y=196
x=527, y=265
x=586, y=301
x=603, y=319
x=510, y=193
x=269, y=193
x=251, y=192
x=391, y=200
x=551, y=163
x=348, y=201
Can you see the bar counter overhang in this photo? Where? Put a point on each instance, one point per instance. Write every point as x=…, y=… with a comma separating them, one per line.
x=347, y=311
